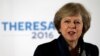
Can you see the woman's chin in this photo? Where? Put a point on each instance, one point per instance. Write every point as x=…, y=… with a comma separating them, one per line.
x=72, y=39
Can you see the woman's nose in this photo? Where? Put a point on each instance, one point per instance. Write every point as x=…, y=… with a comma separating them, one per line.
x=72, y=25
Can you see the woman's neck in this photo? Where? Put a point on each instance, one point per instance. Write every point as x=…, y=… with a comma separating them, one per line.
x=72, y=44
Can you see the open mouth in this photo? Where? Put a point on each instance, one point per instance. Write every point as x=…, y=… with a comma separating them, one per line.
x=71, y=33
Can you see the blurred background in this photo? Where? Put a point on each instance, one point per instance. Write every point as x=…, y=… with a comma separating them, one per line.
x=25, y=24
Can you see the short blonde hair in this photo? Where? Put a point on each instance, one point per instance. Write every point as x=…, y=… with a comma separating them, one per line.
x=72, y=9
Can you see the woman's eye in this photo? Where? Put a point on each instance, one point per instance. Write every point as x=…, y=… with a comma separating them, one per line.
x=67, y=21
x=77, y=22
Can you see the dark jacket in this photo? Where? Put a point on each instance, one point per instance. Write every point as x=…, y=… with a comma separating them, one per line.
x=59, y=47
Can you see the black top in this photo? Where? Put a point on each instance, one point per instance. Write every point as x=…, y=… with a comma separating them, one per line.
x=59, y=47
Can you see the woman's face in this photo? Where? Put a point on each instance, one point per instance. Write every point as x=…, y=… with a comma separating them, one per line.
x=71, y=27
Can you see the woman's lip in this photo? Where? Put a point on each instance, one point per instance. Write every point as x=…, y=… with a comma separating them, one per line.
x=71, y=32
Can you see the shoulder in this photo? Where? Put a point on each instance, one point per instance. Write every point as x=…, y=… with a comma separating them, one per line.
x=48, y=44
x=91, y=48
x=46, y=49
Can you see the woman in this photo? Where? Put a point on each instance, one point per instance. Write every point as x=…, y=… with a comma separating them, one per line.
x=72, y=21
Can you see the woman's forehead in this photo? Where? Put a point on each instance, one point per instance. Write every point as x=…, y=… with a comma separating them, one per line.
x=74, y=16
x=70, y=14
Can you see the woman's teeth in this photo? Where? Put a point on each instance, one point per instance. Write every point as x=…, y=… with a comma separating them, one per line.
x=71, y=33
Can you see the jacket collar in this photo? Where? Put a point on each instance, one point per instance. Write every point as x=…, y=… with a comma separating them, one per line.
x=63, y=46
